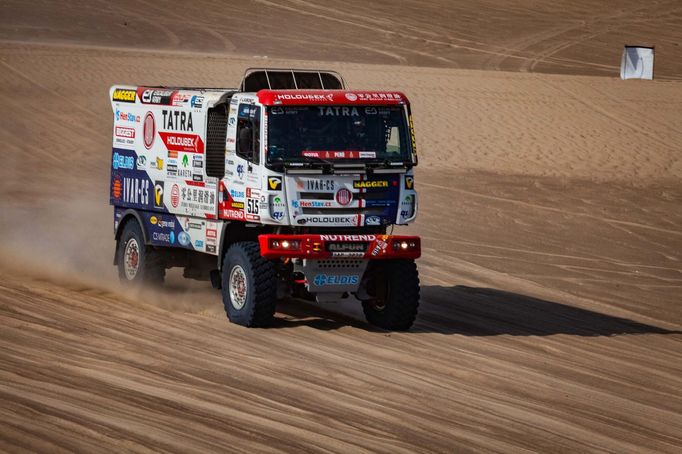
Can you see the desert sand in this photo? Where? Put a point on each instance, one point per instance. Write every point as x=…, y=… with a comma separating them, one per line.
x=550, y=211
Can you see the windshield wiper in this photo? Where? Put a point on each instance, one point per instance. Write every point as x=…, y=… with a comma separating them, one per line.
x=309, y=162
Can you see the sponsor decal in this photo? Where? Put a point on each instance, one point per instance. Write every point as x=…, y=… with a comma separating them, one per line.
x=275, y=183
x=339, y=154
x=135, y=191
x=237, y=205
x=373, y=220
x=278, y=215
x=175, y=195
x=122, y=131
x=338, y=111
x=184, y=239
x=304, y=97
x=141, y=162
x=331, y=279
x=319, y=185
x=164, y=237
x=162, y=223
x=120, y=161
x=155, y=96
x=409, y=182
x=348, y=237
x=236, y=194
x=310, y=204
x=196, y=102
x=359, y=184
x=211, y=233
x=179, y=142
x=380, y=245
x=127, y=116
x=240, y=171
x=123, y=95
x=252, y=206
x=193, y=225
x=339, y=220
x=351, y=97
x=149, y=130
x=232, y=214
x=211, y=248
x=198, y=161
x=117, y=187
x=197, y=198
x=404, y=214
x=159, y=164
x=179, y=99
x=158, y=194
x=176, y=120
x=343, y=196
x=347, y=247
x=199, y=244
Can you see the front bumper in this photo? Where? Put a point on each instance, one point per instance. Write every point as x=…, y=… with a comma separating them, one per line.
x=319, y=247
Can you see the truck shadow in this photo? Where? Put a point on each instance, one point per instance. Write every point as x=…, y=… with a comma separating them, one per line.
x=470, y=311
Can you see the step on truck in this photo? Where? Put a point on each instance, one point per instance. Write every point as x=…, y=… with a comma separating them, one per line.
x=288, y=186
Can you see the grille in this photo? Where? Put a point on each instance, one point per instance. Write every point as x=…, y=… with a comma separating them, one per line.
x=337, y=263
x=373, y=211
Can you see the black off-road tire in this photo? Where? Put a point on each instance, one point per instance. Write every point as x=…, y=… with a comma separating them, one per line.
x=254, y=304
x=151, y=264
x=395, y=287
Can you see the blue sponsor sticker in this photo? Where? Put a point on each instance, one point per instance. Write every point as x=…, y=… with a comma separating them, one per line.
x=332, y=279
x=120, y=161
x=199, y=243
x=172, y=237
x=373, y=220
x=184, y=239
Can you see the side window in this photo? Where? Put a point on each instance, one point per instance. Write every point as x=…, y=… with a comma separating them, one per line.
x=248, y=132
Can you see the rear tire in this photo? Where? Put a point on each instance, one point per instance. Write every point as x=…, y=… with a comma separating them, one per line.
x=137, y=262
x=249, y=286
x=394, y=286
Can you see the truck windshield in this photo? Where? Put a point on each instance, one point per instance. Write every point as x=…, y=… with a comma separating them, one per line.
x=338, y=133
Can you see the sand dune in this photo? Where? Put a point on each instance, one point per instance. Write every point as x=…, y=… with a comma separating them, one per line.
x=550, y=213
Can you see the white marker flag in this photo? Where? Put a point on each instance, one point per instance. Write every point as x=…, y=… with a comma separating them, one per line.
x=637, y=63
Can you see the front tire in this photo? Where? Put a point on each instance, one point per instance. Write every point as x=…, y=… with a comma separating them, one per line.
x=137, y=262
x=394, y=287
x=249, y=286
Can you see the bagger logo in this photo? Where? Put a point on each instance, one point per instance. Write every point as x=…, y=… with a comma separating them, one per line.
x=359, y=184
x=275, y=183
x=123, y=95
x=409, y=182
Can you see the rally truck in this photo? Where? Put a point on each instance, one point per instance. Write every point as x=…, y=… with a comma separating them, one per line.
x=288, y=186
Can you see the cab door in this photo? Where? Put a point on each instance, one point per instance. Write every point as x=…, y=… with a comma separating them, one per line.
x=243, y=171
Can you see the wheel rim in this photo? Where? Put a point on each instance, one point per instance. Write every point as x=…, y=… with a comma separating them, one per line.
x=131, y=259
x=238, y=287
